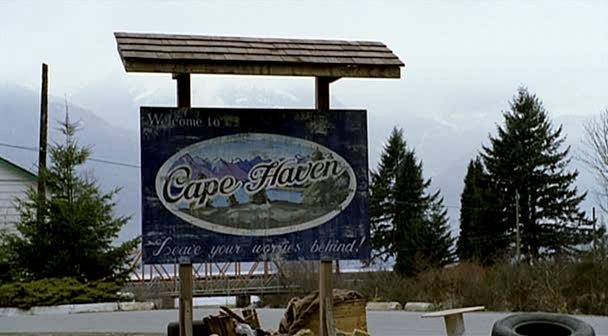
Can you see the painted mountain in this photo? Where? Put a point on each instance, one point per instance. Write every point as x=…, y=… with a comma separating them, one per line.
x=219, y=167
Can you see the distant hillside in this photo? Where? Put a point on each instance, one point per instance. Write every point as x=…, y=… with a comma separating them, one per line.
x=445, y=147
x=19, y=108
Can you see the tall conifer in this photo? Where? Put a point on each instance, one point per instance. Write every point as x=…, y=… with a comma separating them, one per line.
x=440, y=242
x=527, y=157
x=75, y=235
x=408, y=224
x=482, y=238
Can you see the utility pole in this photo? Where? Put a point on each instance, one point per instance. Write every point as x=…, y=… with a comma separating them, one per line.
x=44, y=120
x=594, y=230
x=517, y=237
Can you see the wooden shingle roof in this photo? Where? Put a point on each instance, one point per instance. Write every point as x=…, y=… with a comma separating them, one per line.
x=256, y=56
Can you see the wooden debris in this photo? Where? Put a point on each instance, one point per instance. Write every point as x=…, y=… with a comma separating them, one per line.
x=304, y=332
x=228, y=321
x=223, y=325
x=356, y=332
x=302, y=313
x=330, y=322
x=251, y=318
x=234, y=315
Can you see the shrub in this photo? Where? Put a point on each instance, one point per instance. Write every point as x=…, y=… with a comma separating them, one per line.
x=50, y=292
x=561, y=286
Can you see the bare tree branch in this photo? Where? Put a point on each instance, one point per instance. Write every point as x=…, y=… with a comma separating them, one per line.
x=595, y=155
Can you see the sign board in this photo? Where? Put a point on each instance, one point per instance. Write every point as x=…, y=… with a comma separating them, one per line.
x=253, y=184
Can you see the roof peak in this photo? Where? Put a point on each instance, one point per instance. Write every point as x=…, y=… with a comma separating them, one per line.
x=15, y=167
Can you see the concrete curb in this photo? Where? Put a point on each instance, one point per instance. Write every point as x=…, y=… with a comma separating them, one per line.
x=135, y=306
x=382, y=306
x=13, y=312
x=418, y=306
x=79, y=308
x=392, y=305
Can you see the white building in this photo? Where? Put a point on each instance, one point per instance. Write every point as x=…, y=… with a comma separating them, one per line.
x=14, y=182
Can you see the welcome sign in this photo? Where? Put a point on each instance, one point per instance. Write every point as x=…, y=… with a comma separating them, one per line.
x=253, y=184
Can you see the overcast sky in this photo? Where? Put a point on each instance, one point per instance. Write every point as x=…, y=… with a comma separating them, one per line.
x=459, y=55
x=464, y=61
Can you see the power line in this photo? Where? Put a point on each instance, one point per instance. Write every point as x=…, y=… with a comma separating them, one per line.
x=34, y=149
x=116, y=163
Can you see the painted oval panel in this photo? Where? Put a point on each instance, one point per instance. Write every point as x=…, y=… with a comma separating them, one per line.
x=256, y=184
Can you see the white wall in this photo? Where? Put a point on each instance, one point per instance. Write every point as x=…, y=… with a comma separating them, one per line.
x=12, y=185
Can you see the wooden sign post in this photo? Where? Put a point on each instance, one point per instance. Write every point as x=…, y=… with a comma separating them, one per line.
x=325, y=60
x=325, y=269
x=185, y=266
x=325, y=298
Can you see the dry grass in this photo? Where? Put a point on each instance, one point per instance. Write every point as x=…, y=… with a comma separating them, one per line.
x=558, y=286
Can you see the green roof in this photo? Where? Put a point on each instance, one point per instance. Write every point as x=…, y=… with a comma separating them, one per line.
x=18, y=169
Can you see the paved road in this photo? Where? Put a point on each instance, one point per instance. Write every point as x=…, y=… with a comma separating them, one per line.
x=379, y=323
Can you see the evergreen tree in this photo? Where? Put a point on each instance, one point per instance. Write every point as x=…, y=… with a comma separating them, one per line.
x=382, y=203
x=407, y=223
x=470, y=209
x=411, y=233
x=5, y=261
x=440, y=243
x=482, y=238
x=73, y=237
x=526, y=158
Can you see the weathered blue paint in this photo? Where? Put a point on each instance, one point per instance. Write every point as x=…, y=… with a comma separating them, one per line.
x=253, y=184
